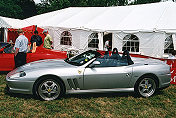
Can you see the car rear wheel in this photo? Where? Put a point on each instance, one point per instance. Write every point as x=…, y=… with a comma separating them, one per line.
x=146, y=86
x=48, y=89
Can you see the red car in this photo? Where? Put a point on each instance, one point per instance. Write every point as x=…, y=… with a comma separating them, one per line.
x=7, y=56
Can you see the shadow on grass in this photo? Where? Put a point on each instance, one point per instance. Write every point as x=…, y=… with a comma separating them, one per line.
x=97, y=95
x=4, y=72
x=18, y=95
x=108, y=95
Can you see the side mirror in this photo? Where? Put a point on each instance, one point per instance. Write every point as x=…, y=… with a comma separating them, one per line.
x=94, y=63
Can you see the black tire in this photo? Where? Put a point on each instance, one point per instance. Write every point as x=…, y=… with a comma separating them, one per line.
x=146, y=86
x=48, y=88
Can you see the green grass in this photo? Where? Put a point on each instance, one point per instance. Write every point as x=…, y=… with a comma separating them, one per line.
x=161, y=105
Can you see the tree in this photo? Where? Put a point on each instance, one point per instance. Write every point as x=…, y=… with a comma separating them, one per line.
x=145, y=1
x=28, y=7
x=17, y=8
x=51, y=5
x=8, y=8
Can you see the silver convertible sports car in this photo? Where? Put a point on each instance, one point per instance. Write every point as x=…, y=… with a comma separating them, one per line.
x=90, y=72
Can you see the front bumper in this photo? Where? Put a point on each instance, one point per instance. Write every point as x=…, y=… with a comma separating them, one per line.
x=19, y=85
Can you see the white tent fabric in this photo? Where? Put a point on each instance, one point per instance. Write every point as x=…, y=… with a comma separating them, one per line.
x=12, y=23
x=151, y=23
x=3, y=24
x=146, y=17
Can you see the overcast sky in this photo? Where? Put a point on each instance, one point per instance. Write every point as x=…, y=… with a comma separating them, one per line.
x=37, y=1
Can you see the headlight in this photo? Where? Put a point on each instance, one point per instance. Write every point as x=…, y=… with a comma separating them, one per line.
x=18, y=74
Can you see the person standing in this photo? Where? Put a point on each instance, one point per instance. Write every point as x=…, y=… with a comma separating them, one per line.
x=107, y=46
x=48, y=40
x=21, y=46
x=36, y=41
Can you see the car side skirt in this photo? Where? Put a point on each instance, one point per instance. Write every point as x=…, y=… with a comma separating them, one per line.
x=73, y=91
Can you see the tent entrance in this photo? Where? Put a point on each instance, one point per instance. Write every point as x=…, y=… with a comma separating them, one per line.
x=107, y=37
x=1, y=34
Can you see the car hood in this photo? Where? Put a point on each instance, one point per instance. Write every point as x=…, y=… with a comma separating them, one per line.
x=48, y=63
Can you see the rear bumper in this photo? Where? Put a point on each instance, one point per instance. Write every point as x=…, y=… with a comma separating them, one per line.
x=165, y=81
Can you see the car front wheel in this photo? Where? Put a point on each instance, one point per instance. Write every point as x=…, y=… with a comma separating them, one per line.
x=146, y=86
x=48, y=89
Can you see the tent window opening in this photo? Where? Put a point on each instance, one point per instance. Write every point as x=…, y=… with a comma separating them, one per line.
x=66, y=38
x=93, y=40
x=168, y=46
x=131, y=43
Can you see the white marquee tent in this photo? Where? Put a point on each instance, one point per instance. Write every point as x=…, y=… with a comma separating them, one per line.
x=6, y=23
x=12, y=23
x=149, y=24
x=147, y=17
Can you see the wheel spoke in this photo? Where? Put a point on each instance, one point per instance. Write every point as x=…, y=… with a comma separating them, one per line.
x=143, y=90
x=44, y=91
x=146, y=82
x=149, y=85
x=142, y=85
x=46, y=85
x=52, y=86
x=54, y=91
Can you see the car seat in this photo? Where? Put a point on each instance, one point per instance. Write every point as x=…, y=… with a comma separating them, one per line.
x=126, y=58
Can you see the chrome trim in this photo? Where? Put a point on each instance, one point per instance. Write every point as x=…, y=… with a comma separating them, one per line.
x=100, y=90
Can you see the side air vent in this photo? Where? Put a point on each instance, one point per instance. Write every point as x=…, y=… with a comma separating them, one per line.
x=76, y=83
x=73, y=83
x=70, y=83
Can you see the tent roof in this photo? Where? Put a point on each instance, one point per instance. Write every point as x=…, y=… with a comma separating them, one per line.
x=146, y=17
x=12, y=23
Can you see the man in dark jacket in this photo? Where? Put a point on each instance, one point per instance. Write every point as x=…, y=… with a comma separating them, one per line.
x=36, y=40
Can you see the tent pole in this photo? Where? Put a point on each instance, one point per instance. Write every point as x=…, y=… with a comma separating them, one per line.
x=174, y=40
x=5, y=34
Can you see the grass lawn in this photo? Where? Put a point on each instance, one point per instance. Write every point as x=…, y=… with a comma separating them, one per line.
x=161, y=105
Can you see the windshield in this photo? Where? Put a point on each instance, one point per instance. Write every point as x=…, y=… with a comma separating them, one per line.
x=83, y=58
x=8, y=47
x=2, y=44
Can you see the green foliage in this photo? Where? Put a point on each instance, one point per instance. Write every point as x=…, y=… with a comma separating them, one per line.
x=51, y=5
x=9, y=8
x=28, y=7
x=17, y=8
x=145, y=1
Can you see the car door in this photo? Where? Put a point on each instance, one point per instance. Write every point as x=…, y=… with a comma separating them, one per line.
x=107, y=77
x=7, y=58
x=7, y=61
